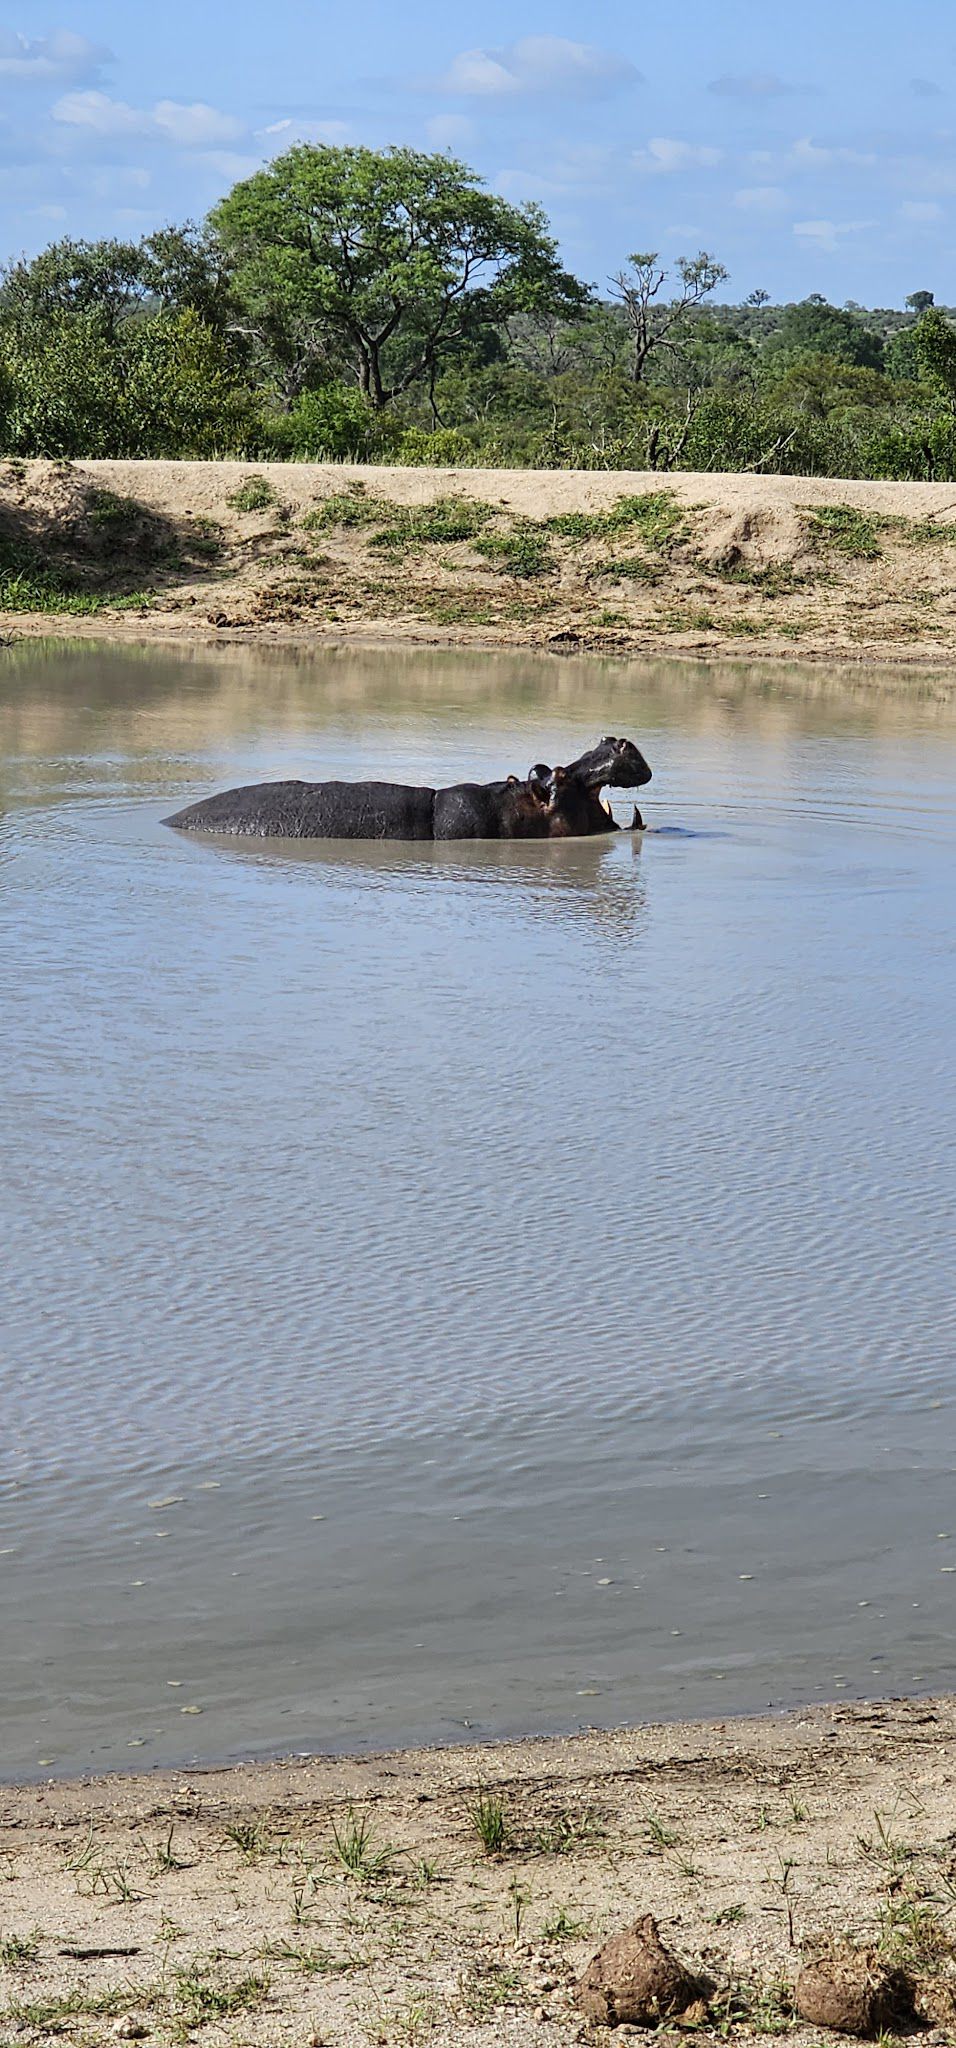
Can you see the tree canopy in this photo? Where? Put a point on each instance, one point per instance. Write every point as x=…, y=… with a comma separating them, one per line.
x=382, y=261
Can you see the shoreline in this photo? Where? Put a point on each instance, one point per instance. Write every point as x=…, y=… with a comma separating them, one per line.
x=349, y=1900
x=615, y=563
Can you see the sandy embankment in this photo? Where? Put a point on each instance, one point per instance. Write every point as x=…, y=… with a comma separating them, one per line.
x=776, y=566
x=213, y=1905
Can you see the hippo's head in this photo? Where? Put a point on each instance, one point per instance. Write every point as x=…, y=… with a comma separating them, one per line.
x=613, y=763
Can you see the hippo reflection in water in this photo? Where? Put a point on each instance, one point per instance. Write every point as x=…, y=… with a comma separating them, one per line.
x=551, y=803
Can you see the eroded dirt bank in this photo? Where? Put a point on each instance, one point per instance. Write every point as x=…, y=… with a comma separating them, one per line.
x=353, y=1901
x=614, y=561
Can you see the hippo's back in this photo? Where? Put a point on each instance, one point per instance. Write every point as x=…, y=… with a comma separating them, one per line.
x=313, y=810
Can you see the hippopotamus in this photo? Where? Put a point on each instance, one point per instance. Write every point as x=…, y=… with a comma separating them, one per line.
x=549, y=803
x=575, y=806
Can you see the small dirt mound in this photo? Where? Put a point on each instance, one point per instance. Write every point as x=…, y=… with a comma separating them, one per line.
x=761, y=537
x=853, y=1993
x=635, y=1981
x=77, y=536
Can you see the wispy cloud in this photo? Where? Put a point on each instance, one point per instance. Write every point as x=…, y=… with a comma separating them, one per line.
x=923, y=211
x=186, y=126
x=282, y=134
x=926, y=89
x=760, y=198
x=539, y=64
x=755, y=85
x=50, y=59
x=664, y=155
x=816, y=156
x=826, y=234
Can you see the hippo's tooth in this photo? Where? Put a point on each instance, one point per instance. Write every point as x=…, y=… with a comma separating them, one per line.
x=605, y=806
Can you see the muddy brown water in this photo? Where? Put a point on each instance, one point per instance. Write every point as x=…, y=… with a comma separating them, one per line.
x=479, y=1288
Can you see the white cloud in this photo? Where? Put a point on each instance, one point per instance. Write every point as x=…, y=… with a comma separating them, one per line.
x=760, y=198
x=920, y=210
x=826, y=233
x=195, y=126
x=289, y=131
x=98, y=112
x=811, y=156
x=448, y=131
x=57, y=57
x=663, y=155
x=538, y=64
x=589, y=169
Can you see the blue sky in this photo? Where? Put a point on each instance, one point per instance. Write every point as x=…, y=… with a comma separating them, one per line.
x=809, y=148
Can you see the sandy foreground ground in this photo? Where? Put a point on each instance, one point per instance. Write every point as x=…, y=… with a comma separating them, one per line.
x=352, y=1901
x=713, y=564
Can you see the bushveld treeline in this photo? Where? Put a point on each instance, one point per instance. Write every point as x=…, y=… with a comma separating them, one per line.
x=384, y=306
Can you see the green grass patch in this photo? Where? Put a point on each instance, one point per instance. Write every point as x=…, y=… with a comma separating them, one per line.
x=452, y=611
x=655, y=515
x=448, y=519
x=929, y=532
x=775, y=579
x=524, y=552
x=29, y=584
x=627, y=569
x=198, y=1999
x=848, y=531
x=254, y=494
x=117, y=515
x=348, y=509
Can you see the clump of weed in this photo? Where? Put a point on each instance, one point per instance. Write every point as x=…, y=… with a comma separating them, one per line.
x=19, y=1948
x=729, y=1916
x=655, y=515
x=314, y=1962
x=761, y=2008
x=448, y=519
x=848, y=531
x=489, y=1820
x=564, y=1927
x=471, y=609
x=116, y=514
x=28, y=583
x=348, y=509
x=883, y=1846
x=929, y=532
x=254, y=494
x=775, y=579
x=354, y=1848
x=199, y=1998
x=484, y=1993
x=627, y=568
x=523, y=552
x=659, y=1837
x=913, y=1935
x=250, y=1837
x=567, y=1832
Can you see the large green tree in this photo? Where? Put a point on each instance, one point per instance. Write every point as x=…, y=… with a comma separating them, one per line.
x=379, y=265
